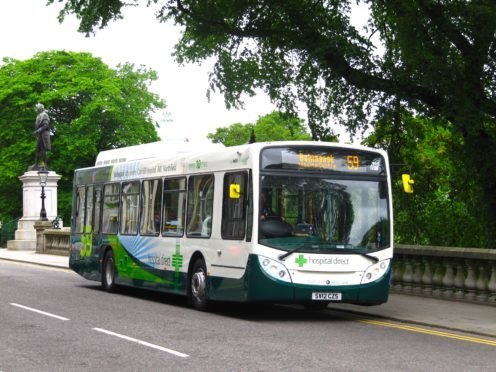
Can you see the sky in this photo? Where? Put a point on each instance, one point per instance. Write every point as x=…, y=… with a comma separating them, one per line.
x=29, y=26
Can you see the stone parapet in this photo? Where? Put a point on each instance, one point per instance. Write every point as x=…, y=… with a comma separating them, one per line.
x=40, y=227
x=57, y=241
x=462, y=274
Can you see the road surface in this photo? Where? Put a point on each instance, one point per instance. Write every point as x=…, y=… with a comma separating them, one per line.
x=54, y=320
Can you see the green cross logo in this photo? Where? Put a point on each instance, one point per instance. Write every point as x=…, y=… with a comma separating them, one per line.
x=301, y=260
x=177, y=261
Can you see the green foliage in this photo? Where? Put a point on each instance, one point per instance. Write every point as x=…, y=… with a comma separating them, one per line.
x=91, y=106
x=442, y=210
x=309, y=50
x=437, y=58
x=233, y=135
x=271, y=127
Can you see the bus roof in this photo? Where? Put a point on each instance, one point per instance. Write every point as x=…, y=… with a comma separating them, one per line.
x=153, y=150
x=185, y=149
x=166, y=158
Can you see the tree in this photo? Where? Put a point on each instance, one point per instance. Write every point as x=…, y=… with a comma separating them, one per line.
x=271, y=127
x=91, y=106
x=440, y=210
x=437, y=58
x=233, y=135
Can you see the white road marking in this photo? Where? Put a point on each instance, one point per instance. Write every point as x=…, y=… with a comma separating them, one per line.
x=177, y=353
x=39, y=311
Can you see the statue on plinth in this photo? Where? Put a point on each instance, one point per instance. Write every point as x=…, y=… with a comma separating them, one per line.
x=43, y=143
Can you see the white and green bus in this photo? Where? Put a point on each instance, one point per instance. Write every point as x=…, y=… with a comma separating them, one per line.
x=281, y=222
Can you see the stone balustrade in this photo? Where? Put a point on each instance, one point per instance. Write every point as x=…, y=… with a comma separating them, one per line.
x=56, y=241
x=463, y=274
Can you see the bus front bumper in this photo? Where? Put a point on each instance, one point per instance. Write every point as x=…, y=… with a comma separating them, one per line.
x=258, y=286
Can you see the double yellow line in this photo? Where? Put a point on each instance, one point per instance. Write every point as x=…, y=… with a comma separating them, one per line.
x=429, y=332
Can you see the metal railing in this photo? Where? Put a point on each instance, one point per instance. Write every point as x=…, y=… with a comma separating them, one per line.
x=7, y=232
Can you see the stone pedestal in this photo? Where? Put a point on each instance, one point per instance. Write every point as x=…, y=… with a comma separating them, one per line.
x=25, y=236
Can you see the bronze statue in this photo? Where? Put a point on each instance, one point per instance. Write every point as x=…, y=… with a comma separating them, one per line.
x=43, y=143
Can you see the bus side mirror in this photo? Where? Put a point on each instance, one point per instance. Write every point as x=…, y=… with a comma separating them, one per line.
x=407, y=183
x=234, y=191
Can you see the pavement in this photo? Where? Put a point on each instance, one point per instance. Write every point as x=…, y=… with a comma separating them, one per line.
x=51, y=260
x=479, y=319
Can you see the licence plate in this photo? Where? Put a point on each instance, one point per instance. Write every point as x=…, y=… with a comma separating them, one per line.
x=326, y=296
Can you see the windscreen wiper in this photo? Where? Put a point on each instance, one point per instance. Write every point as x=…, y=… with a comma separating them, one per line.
x=284, y=255
x=337, y=250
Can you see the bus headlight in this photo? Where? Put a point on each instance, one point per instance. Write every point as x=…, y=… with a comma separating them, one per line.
x=274, y=269
x=375, y=271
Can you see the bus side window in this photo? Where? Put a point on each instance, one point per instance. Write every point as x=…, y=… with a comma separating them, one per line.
x=200, y=206
x=174, y=206
x=89, y=210
x=151, y=202
x=129, y=208
x=234, y=206
x=79, y=212
x=97, y=210
x=249, y=206
x=110, y=208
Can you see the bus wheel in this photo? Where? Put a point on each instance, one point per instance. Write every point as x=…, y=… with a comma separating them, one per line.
x=316, y=305
x=198, y=285
x=108, y=272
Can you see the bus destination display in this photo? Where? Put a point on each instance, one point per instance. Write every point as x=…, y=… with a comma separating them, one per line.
x=323, y=159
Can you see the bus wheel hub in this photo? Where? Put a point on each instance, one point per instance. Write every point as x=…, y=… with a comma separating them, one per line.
x=198, y=284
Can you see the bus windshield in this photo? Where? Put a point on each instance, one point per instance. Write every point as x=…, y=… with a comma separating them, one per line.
x=322, y=214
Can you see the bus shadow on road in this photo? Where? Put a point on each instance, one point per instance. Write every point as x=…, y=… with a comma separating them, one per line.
x=143, y=294
x=244, y=311
x=277, y=312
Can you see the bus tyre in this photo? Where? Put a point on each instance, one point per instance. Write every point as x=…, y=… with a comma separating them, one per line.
x=198, y=285
x=108, y=271
x=316, y=305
